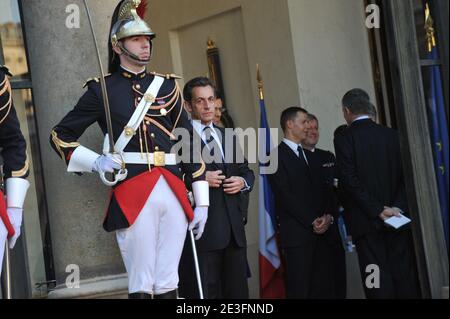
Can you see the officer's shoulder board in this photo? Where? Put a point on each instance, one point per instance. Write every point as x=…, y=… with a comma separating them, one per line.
x=97, y=80
x=5, y=70
x=167, y=76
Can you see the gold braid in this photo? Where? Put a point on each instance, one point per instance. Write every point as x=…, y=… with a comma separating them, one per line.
x=6, y=88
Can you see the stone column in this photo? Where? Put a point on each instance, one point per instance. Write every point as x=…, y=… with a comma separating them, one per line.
x=61, y=59
x=421, y=186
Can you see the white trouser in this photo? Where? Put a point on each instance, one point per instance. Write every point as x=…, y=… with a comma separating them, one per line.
x=151, y=249
x=3, y=237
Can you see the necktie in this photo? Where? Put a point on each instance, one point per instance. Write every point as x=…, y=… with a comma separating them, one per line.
x=302, y=155
x=208, y=135
x=211, y=143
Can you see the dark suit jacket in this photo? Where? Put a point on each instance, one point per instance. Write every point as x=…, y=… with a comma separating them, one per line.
x=370, y=173
x=243, y=205
x=325, y=162
x=327, y=166
x=301, y=196
x=227, y=213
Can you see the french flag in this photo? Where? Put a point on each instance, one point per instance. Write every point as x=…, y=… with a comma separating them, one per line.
x=270, y=266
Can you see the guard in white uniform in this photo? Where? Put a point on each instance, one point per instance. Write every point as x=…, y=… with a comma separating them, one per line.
x=15, y=167
x=149, y=210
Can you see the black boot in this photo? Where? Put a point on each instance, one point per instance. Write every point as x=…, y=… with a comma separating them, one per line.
x=139, y=295
x=168, y=295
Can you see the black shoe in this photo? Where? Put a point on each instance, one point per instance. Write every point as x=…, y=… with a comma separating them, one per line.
x=168, y=295
x=139, y=295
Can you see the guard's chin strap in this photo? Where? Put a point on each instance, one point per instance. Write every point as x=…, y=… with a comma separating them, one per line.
x=134, y=56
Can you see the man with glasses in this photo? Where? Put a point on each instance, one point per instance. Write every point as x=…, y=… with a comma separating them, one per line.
x=223, y=248
x=327, y=166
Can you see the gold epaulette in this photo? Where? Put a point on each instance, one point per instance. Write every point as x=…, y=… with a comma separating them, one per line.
x=90, y=80
x=5, y=70
x=97, y=79
x=167, y=76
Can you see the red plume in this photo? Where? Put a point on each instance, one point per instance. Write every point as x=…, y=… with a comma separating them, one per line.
x=141, y=9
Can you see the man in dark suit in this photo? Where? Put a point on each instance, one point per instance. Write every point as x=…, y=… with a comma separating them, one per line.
x=327, y=162
x=305, y=209
x=371, y=175
x=222, y=249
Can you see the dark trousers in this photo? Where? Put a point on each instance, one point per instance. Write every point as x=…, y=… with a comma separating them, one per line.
x=310, y=271
x=393, y=252
x=340, y=267
x=223, y=273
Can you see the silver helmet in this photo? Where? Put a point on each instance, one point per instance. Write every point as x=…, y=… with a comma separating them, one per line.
x=130, y=24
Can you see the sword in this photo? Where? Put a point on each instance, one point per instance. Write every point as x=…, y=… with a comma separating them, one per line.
x=122, y=174
x=197, y=267
x=7, y=274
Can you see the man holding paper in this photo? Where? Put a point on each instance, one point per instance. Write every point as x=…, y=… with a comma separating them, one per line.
x=369, y=161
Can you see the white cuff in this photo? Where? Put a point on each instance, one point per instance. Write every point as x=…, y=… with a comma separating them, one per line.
x=82, y=160
x=246, y=186
x=16, y=190
x=201, y=193
x=399, y=210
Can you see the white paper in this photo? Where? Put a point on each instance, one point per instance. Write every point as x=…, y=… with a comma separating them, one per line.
x=397, y=222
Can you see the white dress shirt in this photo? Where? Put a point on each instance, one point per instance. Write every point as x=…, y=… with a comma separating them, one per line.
x=200, y=129
x=294, y=147
x=363, y=117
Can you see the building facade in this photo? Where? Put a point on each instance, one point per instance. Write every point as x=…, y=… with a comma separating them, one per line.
x=310, y=54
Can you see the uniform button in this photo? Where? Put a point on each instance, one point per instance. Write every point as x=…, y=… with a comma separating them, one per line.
x=147, y=122
x=139, y=98
x=138, y=86
x=152, y=135
x=156, y=148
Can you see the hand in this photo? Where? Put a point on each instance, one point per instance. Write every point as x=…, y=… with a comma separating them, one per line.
x=215, y=179
x=389, y=212
x=322, y=224
x=199, y=222
x=107, y=163
x=233, y=185
x=15, y=216
x=318, y=223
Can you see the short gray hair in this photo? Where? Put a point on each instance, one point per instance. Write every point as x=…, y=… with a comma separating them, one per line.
x=358, y=102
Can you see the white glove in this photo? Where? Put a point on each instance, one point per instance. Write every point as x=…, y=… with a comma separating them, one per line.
x=15, y=216
x=108, y=163
x=199, y=222
x=3, y=237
